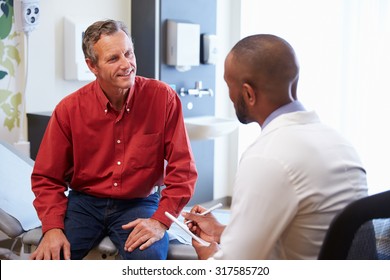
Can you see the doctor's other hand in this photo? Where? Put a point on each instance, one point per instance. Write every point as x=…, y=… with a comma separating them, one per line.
x=52, y=244
x=206, y=227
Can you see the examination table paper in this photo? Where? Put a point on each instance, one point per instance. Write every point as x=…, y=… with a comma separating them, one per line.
x=16, y=197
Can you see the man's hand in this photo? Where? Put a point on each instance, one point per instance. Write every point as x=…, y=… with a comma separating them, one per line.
x=145, y=233
x=53, y=242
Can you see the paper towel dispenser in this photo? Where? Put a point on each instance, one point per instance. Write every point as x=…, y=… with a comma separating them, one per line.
x=74, y=62
x=183, y=44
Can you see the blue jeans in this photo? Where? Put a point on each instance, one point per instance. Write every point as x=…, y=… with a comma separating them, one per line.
x=89, y=219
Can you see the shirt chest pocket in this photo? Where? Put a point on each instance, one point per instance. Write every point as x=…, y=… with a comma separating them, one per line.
x=146, y=151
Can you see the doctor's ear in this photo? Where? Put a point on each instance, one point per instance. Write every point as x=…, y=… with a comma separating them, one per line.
x=249, y=94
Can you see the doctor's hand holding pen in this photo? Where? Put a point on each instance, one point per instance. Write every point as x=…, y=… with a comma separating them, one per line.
x=204, y=224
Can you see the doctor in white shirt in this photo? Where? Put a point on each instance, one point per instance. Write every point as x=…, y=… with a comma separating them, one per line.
x=293, y=179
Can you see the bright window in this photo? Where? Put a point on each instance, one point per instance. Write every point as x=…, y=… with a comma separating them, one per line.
x=343, y=50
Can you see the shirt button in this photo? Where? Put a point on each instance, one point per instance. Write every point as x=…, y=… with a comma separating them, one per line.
x=105, y=110
x=118, y=141
x=115, y=184
x=127, y=109
x=119, y=163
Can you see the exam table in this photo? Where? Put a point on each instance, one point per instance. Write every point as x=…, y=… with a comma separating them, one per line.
x=20, y=227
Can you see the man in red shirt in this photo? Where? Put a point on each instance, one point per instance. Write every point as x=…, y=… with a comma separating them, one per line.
x=112, y=143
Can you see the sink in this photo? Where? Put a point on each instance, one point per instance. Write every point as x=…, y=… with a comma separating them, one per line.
x=209, y=127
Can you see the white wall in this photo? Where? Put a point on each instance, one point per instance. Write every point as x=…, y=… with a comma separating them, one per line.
x=46, y=86
x=226, y=155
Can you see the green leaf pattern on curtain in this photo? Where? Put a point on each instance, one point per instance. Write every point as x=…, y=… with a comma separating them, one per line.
x=9, y=61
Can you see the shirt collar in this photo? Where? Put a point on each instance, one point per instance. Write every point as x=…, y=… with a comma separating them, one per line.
x=291, y=107
x=106, y=103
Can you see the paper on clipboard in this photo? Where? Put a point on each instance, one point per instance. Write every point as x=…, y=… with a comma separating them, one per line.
x=185, y=228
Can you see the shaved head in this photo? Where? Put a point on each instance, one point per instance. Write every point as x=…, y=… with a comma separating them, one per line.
x=261, y=72
x=266, y=62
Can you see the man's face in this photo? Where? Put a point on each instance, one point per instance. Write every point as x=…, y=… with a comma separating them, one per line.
x=116, y=63
x=232, y=79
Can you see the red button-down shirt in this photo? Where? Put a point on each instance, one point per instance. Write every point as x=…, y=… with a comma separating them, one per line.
x=112, y=154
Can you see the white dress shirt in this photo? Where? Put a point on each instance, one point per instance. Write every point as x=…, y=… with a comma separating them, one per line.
x=289, y=185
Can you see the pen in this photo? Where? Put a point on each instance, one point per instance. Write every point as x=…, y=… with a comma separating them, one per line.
x=207, y=211
x=183, y=227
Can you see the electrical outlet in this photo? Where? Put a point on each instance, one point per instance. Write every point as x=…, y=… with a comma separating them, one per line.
x=27, y=14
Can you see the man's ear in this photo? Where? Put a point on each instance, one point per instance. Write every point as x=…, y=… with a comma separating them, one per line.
x=91, y=66
x=249, y=94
